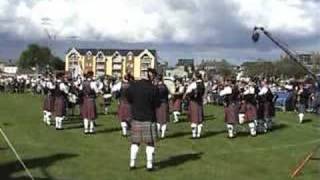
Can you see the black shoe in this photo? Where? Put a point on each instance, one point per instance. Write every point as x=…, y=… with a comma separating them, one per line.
x=132, y=168
x=59, y=129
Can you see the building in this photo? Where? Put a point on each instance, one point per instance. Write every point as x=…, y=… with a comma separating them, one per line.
x=309, y=60
x=112, y=62
x=10, y=69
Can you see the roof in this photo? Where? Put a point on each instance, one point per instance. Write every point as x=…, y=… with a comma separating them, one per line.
x=110, y=52
x=183, y=62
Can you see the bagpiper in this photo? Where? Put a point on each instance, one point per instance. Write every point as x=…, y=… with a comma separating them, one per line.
x=195, y=92
x=143, y=98
x=250, y=110
x=48, y=104
x=302, y=100
x=231, y=108
x=162, y=109
x=124, y=109
x=61, y=92
x=88, y=108
x=265, y=108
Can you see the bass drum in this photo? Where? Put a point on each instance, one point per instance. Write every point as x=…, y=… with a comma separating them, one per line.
x=170, y=85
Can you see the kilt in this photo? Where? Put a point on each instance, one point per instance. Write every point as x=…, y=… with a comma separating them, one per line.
x=176, y=106
x=231, y=114
x=301, y=108
x=250, y=113
x=267, y=110
x=162, y=113
x=143, y=132
x=195, y=112
x=124, y=111
x=48, y=104
x=243, y=107
x=60, y=106
x=88, y=108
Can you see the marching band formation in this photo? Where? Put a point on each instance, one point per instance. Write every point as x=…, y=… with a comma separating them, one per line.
x=145, y=106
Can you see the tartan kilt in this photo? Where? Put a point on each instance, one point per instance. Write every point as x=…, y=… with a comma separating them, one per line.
x=231, y=114
x=124, y=111
x=162, y=113
x=242, y=108
x=301, y=108
x=60, y=106
x=143, y=132
x=48, y=104
x=250, y=113
x=195, y=112
x=176, y=104
x=88, y=108
x=268, y=110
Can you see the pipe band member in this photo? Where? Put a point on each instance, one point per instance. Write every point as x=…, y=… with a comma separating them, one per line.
x=195, y=92
x=143, y=98
x=88, y=108
x=177, y=100
x=231, y=109
x=162, y=109
x=48, y=104
x=61, y=93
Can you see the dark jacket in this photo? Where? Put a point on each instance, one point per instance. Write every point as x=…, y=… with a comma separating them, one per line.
x=143, y=97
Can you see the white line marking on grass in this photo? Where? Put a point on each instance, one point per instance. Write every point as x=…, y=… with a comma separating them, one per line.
x=17, y=155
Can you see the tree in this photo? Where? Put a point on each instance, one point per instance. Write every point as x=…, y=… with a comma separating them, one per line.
x=39, y=57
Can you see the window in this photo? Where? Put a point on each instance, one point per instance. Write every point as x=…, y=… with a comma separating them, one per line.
x=145, y=64
x=100, y=64
x=117, y=65
x=130, y=63
x=73, y=62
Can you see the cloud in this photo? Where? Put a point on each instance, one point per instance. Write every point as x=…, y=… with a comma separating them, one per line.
x=201, y=27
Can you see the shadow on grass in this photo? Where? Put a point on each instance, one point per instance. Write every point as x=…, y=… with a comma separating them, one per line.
x=305, y=121
x=79, y=126
x=177, y=160
x=277, y=127
x=8, y=169
x=110, y=130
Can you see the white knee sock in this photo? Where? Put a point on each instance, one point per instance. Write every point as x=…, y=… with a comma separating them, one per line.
x=91, y=126
x=106, y=110
x=150, y=153
x=253, y=130
x=194, y=130
x=159, y=128
x=163, y=130
x=86, y=125
x=241, y=118
x=199, y=128
x=230, y=128
x=45, y=115
x=124, y=127
x=176, y=116
x=49, y=114
x=57, y=122
x=301, y=115
x=133, y=154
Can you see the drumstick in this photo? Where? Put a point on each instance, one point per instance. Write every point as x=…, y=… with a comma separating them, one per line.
x=303, y=163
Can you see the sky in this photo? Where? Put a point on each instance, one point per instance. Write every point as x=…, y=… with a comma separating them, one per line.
x=199, y=29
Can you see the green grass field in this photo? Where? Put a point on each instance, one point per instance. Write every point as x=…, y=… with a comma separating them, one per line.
x=69, y=154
